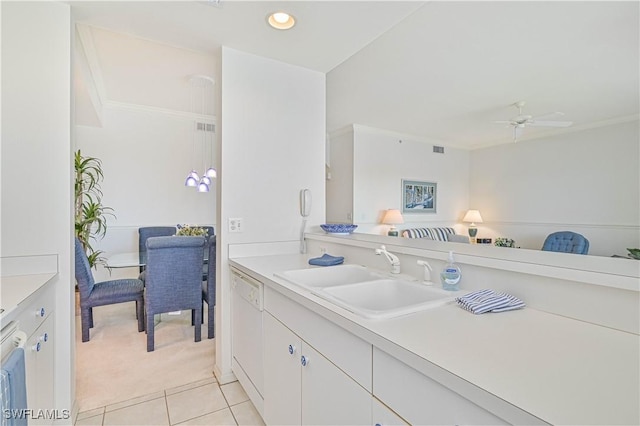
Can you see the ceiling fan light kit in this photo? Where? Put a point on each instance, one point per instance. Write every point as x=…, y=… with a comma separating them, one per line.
x=521, y=121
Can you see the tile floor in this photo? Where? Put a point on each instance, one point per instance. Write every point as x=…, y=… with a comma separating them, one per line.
x=119, y=383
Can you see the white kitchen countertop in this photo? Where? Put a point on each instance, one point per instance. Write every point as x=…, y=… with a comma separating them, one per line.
x=558, y=369
x=17, y=289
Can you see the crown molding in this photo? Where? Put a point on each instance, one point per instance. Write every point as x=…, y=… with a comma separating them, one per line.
x=157, y=110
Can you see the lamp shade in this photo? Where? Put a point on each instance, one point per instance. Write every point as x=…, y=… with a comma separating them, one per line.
x=472, y=216
x=392, y=217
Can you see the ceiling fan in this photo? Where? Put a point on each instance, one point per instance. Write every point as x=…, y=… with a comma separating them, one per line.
x=522, y=120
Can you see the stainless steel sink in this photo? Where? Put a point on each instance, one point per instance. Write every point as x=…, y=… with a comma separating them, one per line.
x=368, y=293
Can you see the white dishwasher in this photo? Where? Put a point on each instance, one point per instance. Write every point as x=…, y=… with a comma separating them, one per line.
x=246, y=334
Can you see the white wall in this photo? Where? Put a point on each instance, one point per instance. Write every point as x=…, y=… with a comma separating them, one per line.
x=273, y=144
x=587, y=182
x=382, y=159
x=36, y=157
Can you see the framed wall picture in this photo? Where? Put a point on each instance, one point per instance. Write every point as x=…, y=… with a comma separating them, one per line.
x=419, y=197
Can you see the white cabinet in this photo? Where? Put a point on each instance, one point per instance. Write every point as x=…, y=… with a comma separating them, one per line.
x=302, y=386
x=39, y=370
x=384, y=416
x=36, y=319
x=282, y=375
x=420, y=399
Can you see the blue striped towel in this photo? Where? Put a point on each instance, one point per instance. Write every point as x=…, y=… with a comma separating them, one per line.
x=14, y=388
x=481, y=301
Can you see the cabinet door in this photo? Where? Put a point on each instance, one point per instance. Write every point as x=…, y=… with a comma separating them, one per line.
x=383, y=416
x=39, y=365
x=421, y=399
x=329, y=396
x=281, y=373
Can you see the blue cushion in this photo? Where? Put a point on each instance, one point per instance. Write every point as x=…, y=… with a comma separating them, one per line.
x=84, y=277
x=438, y=234
x=566, y=242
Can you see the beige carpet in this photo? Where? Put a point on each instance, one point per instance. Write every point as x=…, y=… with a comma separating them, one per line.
x=115, y=366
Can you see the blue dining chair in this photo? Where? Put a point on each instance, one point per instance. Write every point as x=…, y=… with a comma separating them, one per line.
x=209, y=288
x=173, y=280
x=147, y=232
x=566, y=242
x=103, y=293
x=207, y=238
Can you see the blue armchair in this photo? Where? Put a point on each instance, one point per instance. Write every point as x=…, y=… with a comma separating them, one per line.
x=566, y=242
x=103, y=293
x=173, y=280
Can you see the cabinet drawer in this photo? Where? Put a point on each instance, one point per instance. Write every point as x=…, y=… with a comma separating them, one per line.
x=420, y=399
x=350, y=353
x=37, y=309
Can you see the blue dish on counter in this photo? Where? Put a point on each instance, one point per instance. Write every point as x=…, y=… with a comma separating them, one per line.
x=338, y=228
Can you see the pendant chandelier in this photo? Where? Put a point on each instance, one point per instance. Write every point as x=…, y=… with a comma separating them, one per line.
x=203, y=133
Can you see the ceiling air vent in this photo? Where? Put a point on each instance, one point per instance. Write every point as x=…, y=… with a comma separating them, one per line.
x=438, y=149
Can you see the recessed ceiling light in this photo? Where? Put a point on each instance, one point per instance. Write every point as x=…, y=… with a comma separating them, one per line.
x=281, y=20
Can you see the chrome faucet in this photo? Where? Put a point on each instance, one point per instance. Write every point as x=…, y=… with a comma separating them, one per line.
x=392, y=258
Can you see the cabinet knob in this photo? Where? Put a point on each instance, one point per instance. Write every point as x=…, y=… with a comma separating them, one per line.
x=36, y=347
x=292, y=349
x=304, y=360
x=44, y=337
x=40, y=313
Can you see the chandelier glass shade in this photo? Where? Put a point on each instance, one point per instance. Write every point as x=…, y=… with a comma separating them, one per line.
x=203, y=132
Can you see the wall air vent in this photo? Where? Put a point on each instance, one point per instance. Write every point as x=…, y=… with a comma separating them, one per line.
x=207, y=127
x=438, y=149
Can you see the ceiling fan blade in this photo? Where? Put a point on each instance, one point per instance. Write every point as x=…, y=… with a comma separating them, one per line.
x=548, y=115
x=539, y=123
x=517, y=131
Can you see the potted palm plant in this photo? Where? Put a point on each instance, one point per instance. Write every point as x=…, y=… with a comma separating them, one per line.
x=90, y=214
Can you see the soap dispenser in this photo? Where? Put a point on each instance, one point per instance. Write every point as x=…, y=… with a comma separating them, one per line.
x=451, y=275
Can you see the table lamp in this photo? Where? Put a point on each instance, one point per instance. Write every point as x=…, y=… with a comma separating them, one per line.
x=392, y=217
x=472, y=216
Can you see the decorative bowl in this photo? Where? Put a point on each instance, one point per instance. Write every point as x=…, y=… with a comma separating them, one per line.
x=338, y=228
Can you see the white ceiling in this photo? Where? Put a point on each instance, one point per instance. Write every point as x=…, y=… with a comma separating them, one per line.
x=441, y=71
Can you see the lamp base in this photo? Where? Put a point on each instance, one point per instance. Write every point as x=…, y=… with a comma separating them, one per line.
x=392, y=233
x=473, y=231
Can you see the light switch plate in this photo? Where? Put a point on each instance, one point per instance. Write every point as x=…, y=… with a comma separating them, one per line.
x=235, y=224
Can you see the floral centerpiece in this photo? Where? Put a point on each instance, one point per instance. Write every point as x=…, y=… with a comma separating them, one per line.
x=505, y=242
x=190, y=231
